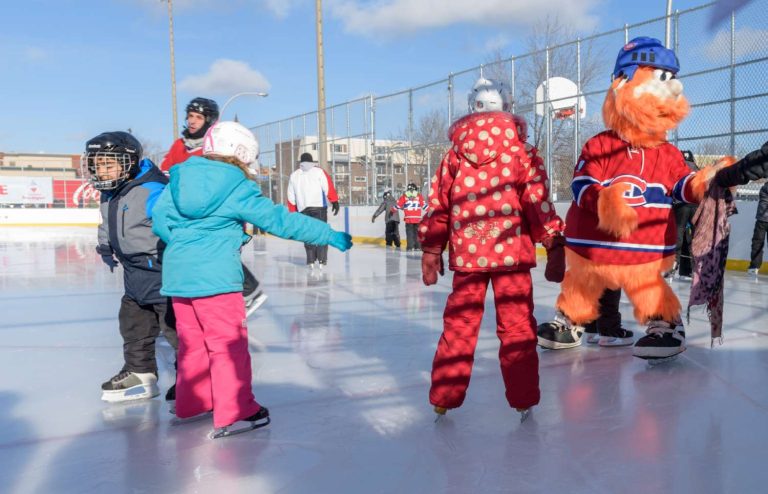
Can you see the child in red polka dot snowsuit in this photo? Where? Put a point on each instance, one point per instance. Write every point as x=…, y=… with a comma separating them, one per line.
x=489, y=202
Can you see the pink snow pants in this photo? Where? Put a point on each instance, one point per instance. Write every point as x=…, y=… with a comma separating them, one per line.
x=515, y=327
x=214, y=366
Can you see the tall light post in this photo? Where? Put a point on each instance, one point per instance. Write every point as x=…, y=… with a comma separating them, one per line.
x=322, y=134
x=668, y=32
x=244, y=93
x=173, y=73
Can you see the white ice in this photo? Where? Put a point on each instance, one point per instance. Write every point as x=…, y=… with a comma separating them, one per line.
x=342, y=360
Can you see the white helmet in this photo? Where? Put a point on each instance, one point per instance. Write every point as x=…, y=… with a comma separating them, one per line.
x=489, y=95
x=231, y=139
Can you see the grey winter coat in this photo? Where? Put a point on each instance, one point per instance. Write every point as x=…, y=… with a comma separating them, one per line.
x=389, y=205
x=126, y=232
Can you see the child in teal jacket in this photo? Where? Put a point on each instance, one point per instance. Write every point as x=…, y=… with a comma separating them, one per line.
x=200, y=217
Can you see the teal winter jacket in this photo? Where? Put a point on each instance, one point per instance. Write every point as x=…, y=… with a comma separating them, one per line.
x=200, y=216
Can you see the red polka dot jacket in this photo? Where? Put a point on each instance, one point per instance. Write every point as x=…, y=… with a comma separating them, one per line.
x=489, y=200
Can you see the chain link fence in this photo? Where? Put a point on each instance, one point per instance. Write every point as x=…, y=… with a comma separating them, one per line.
x=384, y=142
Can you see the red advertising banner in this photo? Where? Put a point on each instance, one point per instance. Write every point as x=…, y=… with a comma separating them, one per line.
x=74, y=193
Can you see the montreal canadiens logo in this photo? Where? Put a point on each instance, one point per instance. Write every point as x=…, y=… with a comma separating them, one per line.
x=635, y=194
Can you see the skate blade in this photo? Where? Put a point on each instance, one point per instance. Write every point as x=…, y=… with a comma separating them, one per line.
x=190, y=420
x=131, y=394
x=609, y=341
x=256, y=304
x=440, y=412
x=664, y=358
x=524, y=414
x=227, y=431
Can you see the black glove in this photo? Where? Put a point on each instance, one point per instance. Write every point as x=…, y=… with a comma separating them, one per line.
x=335, y=207
x=107, y=257
x=753, y=166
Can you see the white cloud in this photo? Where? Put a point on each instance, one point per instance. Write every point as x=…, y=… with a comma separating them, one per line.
x=281, y=8
x=226, y=77
x=391, y=17
x=496, y=43
x=748, y=41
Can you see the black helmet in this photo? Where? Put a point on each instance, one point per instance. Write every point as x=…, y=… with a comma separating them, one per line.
x=111, y=148
x=206, y=107
x=411, y=187
x=387, y=193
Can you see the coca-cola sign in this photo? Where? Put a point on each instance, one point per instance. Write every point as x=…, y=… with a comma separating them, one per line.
x=85, y=193
x=75, y=193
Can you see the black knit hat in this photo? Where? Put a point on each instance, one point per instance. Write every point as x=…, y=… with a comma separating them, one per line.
x=306, y=157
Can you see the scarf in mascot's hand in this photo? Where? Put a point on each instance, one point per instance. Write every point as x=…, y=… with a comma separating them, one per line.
x=710, y=252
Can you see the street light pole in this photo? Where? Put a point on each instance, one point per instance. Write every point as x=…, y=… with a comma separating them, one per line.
x=173, y=73
x=244, y=93
x=322, y=134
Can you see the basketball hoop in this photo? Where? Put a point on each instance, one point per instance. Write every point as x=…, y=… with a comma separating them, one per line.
x=559, y=98
x=565, y=113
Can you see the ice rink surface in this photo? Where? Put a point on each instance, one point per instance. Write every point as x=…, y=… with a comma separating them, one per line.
x=342, y=360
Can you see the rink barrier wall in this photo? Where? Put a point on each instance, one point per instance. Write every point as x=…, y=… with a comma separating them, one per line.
x=357, y=219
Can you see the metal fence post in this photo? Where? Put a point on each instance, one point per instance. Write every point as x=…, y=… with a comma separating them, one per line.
x=450, y=99
x=548, y=116
x=349, y=156
x=373, y=149
x=512, y=83
x=733, y=84
x=410, y=135
x=577, y=117
x=280, y=143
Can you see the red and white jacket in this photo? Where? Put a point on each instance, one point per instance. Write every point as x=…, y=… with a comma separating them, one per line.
x=489, y=200
x=310, y=187
x=656, y=174
x=412, y=207
x=179, y=153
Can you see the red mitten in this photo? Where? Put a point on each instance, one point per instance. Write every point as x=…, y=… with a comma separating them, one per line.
x=555, y=270
x=431, y=265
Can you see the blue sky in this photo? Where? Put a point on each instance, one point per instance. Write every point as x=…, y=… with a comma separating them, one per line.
x=72, y=69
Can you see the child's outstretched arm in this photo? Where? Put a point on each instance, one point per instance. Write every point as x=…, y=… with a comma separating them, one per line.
x=253, y=207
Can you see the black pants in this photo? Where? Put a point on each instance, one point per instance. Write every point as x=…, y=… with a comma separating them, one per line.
x=683, y=217
x=140, y=325
x=317, y=252
x=392, y=233
x=758, y=241
x=250, y=283
x=609, y=319
x=412, y=236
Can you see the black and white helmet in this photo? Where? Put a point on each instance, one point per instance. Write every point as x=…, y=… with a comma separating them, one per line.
x=105, y=152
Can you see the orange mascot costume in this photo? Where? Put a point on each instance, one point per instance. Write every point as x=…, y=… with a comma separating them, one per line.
x=620, y=230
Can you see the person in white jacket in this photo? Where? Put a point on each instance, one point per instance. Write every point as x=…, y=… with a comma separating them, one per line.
x=310, y=189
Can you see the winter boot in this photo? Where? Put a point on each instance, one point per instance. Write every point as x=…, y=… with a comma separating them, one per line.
x=560, y=333
x=662, y=340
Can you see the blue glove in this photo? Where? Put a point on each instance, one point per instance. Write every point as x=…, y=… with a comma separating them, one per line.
x=341, y=241
x=110, y=261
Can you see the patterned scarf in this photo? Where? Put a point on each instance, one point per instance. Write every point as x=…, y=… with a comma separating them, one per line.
x=710, y=252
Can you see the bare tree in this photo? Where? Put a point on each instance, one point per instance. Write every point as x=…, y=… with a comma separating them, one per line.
x=528, y=74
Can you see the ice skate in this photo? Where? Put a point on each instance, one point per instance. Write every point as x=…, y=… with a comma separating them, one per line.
x=440, y=412
x=617, y=337
x=253, y=301
x=662, y=341
x=129, y=386
x=559, y=334
x=255, y=421
x=170, y=397
x=753, y=273
x=524, y=413
x=590, y=331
